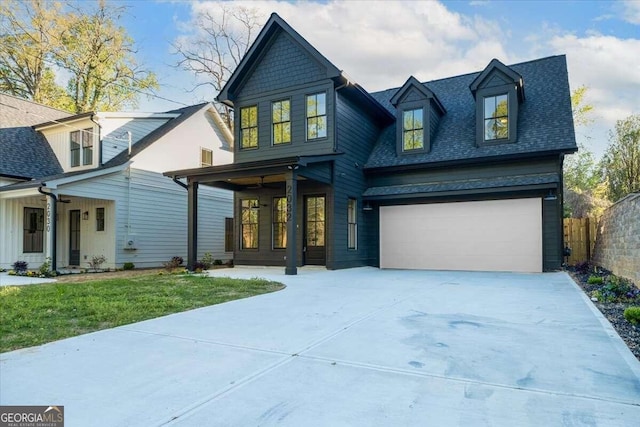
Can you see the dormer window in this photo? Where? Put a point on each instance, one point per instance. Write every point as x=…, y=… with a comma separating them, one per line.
x=418, y=112
x=413, y=129
x=81, y=147
x=498, y=91
x=496, y=117
x=249, y=127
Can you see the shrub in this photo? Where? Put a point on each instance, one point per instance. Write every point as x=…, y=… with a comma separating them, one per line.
x=20, y=267
x=207, y=260
x=97, y=261
x=199, y=266
x=594, y=280
x=616, y=289
x=177, y=259
x=217, y=262
x=582, y=267
x=173, y=263
x=632, y=314
x=45, y=269
x=128, y=266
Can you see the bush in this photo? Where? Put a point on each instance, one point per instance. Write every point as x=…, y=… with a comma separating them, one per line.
x=616, y=289
x=97, y=261
x=199, y=266
x=207, y=260
x=177, y=259
x=582, y=267
x=128, y=266
x=20, y=267
x=632, y=314
x=217, y=262
x=45, y=269
x=594, y=280
x=173, y=263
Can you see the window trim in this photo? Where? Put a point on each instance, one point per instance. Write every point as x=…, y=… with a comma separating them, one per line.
x=274, y=217
x=485, y=119
x=274, y=123
x=254, y=207
x=256, y=127
x=202, y=151
x=39, y=227
x=104, y=219
x=307, y=117
x=512, y=107
x=352, y=246
x=425, y=104
x=413, y=129
x=82, y=138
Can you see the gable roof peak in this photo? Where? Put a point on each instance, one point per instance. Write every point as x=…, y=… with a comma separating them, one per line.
x=496, y=65
x=412, y=82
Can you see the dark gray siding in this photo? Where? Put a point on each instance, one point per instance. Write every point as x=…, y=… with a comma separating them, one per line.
x=357, y=132
x=434, y=121
x=283, y=65
x=551, y=235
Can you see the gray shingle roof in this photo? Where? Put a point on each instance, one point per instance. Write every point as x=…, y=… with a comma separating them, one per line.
x=468, y=184
x=24, y=152
x=545, y=121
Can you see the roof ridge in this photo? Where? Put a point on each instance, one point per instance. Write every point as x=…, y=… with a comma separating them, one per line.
x=35, y=103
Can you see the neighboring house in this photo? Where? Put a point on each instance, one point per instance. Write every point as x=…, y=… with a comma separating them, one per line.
x=463, y=173
x=77, y=186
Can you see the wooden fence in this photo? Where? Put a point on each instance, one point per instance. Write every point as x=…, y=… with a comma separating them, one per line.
x=580, y=236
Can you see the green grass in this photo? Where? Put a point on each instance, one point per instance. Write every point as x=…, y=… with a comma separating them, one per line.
x=37, y=314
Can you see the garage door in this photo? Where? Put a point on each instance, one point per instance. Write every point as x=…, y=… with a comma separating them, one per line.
x=497, y=235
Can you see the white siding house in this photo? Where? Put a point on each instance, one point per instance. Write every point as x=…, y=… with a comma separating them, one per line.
x=107, y=195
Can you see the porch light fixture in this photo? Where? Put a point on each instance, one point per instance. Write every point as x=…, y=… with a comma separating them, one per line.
x=366, y=206
x=85, y=215
x=551, y=196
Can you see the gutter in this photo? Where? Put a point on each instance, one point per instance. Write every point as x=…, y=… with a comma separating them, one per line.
x=54, y=232
x=99, y=139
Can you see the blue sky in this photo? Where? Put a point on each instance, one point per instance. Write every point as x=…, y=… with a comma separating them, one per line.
x=381, y=43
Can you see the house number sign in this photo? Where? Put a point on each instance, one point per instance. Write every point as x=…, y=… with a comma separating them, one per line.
x=289, y=201
x=49, y=212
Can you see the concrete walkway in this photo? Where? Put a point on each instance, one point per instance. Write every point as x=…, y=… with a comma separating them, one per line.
x=6, y=280
x=359, y=347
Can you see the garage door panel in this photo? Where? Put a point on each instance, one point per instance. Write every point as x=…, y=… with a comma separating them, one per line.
x=498, y=235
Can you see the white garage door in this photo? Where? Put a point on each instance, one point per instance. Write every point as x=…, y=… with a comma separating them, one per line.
x=496, y=235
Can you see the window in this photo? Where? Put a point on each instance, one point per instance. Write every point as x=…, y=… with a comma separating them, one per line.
x=81, y=145
x=99, y=219
x=496, y=117
x=281, y=121
x=249, y=127
x=206, y=157
x=33, y=230
x=413, y=129
x=249, y=232
x=228, y=234
x=279, y=223
x=316, y=116
x=352, y=221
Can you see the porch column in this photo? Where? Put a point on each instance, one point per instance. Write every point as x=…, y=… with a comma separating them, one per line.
x=192, y=227
x=50, y=228
x=292, y=225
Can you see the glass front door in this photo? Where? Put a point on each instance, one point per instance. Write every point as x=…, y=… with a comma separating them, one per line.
x=315, y=230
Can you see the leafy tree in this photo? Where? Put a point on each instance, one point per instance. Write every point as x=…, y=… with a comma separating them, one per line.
x=621, y=161
x=39, y=38
x=217, y=46
x=580, y=109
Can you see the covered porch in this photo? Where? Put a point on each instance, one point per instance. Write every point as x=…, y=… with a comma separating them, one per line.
x=295, y=195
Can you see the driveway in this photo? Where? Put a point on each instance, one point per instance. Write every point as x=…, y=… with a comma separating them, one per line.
x=359, y=347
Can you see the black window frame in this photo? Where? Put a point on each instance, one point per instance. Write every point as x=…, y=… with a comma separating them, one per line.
x=494, y=117
x=352, y=224
x=249, y=207
x=100, y=219
x=249, y=127
x=413, y=130
x=32, y=230
x=512, y=107
x=315, y=117
x=87, y=147
x=278, y=125
x=75, y=150
x=279, y=222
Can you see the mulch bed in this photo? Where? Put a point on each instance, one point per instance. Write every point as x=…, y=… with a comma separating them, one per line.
x=612, y=311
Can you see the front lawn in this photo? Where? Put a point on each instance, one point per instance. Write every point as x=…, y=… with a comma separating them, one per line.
x=37, y=314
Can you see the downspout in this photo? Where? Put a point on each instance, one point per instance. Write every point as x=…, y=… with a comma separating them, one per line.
x=99, y=140
x=180, y=183
x=54, y=231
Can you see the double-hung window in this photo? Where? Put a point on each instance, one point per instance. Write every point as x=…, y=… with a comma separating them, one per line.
x=413, y=129
x=281, y=121
x=279, y=223
x=206, y=157
x=81, y=146
x=249, y=227
x=496, y=117
x=316, y=116
x=352, y=224
x=33, y=230
x=249, y=127
x=99, y=219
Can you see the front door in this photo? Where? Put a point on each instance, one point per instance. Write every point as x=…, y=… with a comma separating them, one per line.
x=315, y=226
x=74, y=237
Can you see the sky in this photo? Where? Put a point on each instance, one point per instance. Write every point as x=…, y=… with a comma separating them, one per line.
x=379, y=44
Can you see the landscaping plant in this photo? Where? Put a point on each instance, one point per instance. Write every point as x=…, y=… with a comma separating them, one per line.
x=632, y=314
x=20, y=267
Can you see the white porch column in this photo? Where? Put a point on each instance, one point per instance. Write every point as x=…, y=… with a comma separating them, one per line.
x=50, y=221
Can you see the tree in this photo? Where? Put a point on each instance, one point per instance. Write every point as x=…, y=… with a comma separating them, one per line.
x=29, y=37
x=220, y=42
x=621, y=161
x=40, y=38
x=580, y=109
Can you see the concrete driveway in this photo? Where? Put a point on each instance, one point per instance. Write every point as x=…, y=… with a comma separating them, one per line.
x=359, y=347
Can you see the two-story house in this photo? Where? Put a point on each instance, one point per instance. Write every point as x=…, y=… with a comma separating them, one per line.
x=462, y=173
x=77, y=186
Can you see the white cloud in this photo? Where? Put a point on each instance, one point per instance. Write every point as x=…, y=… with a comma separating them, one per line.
x=631, y=11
